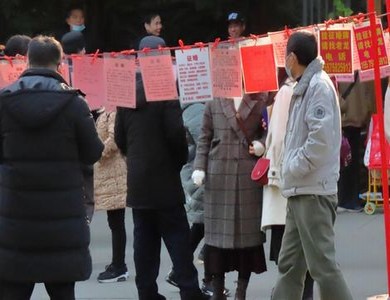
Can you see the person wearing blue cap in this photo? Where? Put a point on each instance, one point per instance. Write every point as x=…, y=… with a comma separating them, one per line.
x=236, y=25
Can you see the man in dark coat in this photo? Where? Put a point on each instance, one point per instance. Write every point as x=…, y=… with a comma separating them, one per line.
x=153, y=139
x=46, y=133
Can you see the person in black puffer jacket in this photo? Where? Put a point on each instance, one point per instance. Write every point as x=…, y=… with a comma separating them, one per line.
x=46, y=133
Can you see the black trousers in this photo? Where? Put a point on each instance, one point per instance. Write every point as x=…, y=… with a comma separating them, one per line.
x=23, y=290
x=171, y=225
x=348, y=185
x=116, y=222
x=196, y=235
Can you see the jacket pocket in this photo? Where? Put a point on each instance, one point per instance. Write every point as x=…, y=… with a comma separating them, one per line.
x=214, y=147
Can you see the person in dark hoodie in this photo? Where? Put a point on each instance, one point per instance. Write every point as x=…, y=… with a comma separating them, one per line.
x=153, y=139
x=46, y=133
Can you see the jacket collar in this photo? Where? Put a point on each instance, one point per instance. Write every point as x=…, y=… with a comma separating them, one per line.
x=314, y=67
x=244, y=110
x=43, y=72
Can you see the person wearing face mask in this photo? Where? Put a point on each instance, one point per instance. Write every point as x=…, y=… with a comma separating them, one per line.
x=75, y=19
x=75, y=22
x=309, y=173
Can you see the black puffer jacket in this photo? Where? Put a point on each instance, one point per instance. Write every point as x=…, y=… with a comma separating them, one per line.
x=46, y=132
x=153, y=139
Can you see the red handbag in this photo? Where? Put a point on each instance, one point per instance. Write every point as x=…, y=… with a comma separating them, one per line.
x=260, y=171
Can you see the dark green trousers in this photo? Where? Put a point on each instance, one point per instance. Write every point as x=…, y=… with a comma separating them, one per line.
x=308, y=244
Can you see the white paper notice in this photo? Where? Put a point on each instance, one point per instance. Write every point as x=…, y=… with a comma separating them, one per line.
x=193, y=69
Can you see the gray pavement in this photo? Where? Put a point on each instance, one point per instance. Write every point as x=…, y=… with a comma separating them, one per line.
x=360, y=251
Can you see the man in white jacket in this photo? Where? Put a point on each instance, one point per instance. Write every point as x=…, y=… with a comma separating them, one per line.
x=310, y=170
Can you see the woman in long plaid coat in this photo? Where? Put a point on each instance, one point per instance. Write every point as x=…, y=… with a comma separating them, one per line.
x=232, y=202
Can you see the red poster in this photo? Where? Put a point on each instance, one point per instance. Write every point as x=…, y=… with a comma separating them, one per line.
x=10, y=73
x=259, y=69
x=89, y=78
x=158, y=77
x=119, y=75
x=364, y=46
x=336, y=50
x=64, y=71
x=226, y=72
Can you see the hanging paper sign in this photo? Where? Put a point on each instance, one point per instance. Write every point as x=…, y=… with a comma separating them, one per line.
x=89, y=78
x=336, y=50
x=119, y=75
x=363, y=42
x=226, y=72
x=64, y=71
x=355, y=56
x=370, y=74
x=364, y=46
x=193, y=70
x=158, y=77
x=10, y=73
x=279, y=41
x=259, y=68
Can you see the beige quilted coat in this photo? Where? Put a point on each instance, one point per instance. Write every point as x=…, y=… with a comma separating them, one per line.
x=110, y=171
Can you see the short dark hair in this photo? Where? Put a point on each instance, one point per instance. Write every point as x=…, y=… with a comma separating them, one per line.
x=17, y=44
x=72, y=7
x=304, y=45
x=44, y=51
x=73, y=42
x=149, y=17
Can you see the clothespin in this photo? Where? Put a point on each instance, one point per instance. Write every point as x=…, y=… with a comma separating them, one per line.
x=287, y=32
x=254, y=37
x=199, y=45
x=95, y=56
x=146, y=50
x=182, y=46
x=161, y=48
x=216, y=42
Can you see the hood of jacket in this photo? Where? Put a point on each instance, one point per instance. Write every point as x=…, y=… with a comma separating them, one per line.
x=36, y=98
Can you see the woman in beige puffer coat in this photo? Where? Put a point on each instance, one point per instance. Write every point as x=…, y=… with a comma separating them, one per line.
x=110, y=194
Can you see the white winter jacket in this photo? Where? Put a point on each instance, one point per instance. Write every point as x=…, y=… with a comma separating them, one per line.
x=311, y=159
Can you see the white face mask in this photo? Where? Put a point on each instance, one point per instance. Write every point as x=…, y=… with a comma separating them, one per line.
x=78, y=27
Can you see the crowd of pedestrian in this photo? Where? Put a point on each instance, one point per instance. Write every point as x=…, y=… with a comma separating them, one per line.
x=59, y=162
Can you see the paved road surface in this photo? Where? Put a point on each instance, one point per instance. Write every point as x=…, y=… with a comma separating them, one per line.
x=360, y=252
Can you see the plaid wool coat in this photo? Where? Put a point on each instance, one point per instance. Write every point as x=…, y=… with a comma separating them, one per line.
x=232, y=202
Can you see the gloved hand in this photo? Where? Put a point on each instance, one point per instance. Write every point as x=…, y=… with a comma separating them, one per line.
x=198, y=177
x=258, y=148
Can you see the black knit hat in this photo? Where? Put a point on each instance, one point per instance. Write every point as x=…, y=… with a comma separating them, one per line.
x=73, y=42
x=151, y=42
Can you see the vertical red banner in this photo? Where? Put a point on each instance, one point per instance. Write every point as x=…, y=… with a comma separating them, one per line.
x=366, y=48
x=379, y=107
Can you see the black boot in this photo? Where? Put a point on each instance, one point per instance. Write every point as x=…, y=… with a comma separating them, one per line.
x=242, y=285
x=218, y=284
x=308, y=290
